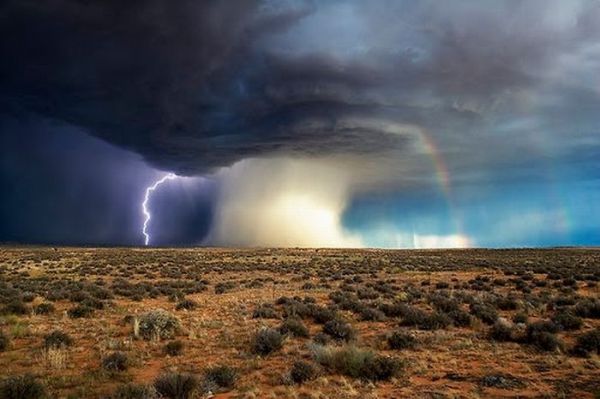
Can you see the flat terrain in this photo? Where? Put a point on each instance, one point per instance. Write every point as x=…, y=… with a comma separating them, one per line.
x=301, y=323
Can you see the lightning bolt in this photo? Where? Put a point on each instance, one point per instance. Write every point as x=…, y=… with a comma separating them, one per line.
x=145, y=211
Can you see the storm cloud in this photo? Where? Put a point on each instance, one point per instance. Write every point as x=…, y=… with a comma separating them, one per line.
x=391, y=92
x=193, y=86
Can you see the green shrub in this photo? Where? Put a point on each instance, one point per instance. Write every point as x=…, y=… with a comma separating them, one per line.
x=80, y=311
x=357, y=363
x=501, y=331
x=435, y=321
x=588, y=343
x=57, y=339
x=339, y=330
x=266, y=341
x=412, y=316
x=158, y=324
x=265, y=311
x=567, y=321
x=174, y=348
x=115, y=362
x=485, y=313
x=4, y=341
x=16, y=307
x=302, y=372
x=186, y=304
x=294, y=327
x=460, y=318
x=22, y=387
x=219, y=378
x=520, y=317
x=401, y=340
x=176, y=385
x=135, y=391
x=44, y=308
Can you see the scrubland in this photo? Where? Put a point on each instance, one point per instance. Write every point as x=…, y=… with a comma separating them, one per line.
x=298, y=323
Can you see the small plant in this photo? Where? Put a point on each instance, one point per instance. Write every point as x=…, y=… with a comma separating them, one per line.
x=294, y=327
x=265, y=311
x=520, y=318
x=16, y=307
x=22, y=387
x=339, y=330
x=266, y=341
x=501, y=331
x=135, y=391
x=357, y=363
x=4, y=341
x=176, y=385
x=219, y=378
x=115, y=362
x=174, y=348
x=485, y=313
x=435, y=321
x=302, y=372
x=588, y=343
x=158, y=324
x=44, y=308
x=57, y=340
x=567, y=321
x=80, y=311
x=401, y=340
x=186, y=304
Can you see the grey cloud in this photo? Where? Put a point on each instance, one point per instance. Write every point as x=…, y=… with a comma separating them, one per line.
x=193, y=86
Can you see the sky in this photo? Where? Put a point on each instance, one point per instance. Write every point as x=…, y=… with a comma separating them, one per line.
x=396, y=124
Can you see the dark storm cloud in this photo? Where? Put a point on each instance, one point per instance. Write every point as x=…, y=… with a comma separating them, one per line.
x=195, y=85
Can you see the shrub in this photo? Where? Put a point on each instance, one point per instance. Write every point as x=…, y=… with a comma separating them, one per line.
x=4, y=341
x=401, y=340
x=485, y=313
x=501, y=331
x=158, y=324
x=541, y=335
x=339, y=330
x=265, y=311
x=266, y=341
x=294, y=327
x=588, y=343
x=57, y=339
x=588, y=308
x=435, y=321
x=460, y=318
x=115, y=362
x=174, y=348
x=322, y=315
x=135, y=391
x=80, y=311
x=176, y=385
x=357, y=363
x=44, y=308
x=567, y=321
x=412, y=316
x=520, y=318
x=219, y=378
x=302, y=372
x=186, y=304
x=371, y=314
x=22, y=387
x=16, y=307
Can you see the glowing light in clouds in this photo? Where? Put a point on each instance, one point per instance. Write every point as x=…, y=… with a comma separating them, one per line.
x=145, y=211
